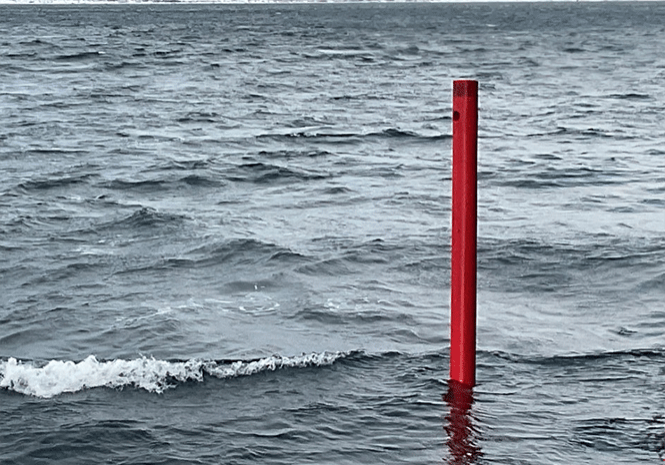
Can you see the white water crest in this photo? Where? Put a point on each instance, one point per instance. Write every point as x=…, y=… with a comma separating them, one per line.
x=58, y=377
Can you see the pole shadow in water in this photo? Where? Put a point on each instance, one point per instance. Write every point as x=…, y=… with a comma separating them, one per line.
x=462, y=435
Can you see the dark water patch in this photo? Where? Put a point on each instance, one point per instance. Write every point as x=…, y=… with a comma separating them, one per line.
x=356, y=258
x=553, y=177
x=35, y=223
x=542, y=267
x=201, y=181
x=21, y=55
x=79, y=56
x=396, y=133
x=294, y=154
x=625, y=332
x=351, y=97
x=241, y=252
x=348, y=137
x=146, y=185
x=123, y=65
x=654, y=201
x=56, y=183
x=200, y=117
x=71, y=275
x=603, y=249
x=145, y=218
x=597, y=359
x=59, y=105
x=583, y=133
x=376, y=251
x=9, y=247
x=574, y=50
x=308, y=122
x=337, y=190
x=410, y=135
x=328, y=267
x=52, y=150
x=595, y=132
x=38, y=41
x=167, y=53
x=265, y=173
x=630, y=96
x=349, y=317
x=185, y=165
x=388, y=172
x=623, y=209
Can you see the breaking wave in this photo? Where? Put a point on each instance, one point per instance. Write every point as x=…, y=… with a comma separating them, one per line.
x=57, y=377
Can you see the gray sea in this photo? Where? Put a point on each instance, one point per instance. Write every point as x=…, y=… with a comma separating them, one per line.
x=225, y=233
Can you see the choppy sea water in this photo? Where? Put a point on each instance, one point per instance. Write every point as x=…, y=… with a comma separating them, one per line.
x=225, y=233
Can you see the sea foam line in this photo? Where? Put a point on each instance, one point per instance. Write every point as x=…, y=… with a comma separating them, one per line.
x=58, y=377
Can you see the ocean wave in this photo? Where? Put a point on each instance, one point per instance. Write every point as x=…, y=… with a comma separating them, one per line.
x=266, y=173
x=55, y=182
x=58, y=377
x=145, y=217
x=630, y=96
x=248, y=250
x=79, y=56
x=340, y=136
x=579, y=359
x=145, y=185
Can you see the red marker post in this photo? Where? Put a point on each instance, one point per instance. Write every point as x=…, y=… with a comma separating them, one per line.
x=463, y=260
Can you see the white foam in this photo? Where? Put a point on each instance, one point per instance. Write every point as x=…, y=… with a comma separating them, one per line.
x=273, y=363
x=58, y=377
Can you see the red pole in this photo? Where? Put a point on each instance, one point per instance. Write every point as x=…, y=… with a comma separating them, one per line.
x=463, y=260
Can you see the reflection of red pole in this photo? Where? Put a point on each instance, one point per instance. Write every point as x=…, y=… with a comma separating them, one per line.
x=462, y=444
x=463, y=263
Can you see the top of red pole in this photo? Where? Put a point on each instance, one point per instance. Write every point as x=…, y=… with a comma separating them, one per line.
x=465, y=88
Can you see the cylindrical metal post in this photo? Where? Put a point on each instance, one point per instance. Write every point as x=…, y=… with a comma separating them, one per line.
x=463, y=260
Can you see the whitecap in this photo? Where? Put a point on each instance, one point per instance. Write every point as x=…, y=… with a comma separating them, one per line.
x=58, y=376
